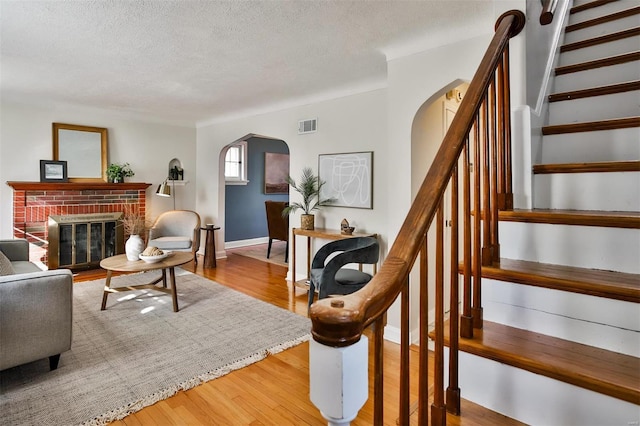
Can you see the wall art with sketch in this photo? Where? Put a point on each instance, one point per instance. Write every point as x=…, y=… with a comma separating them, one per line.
x=348, y=178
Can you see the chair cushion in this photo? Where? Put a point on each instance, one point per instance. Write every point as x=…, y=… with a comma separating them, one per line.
x=176, y=243
x=346, y=276
x=5, y=265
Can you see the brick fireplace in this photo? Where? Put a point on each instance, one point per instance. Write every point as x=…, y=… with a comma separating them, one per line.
x=34, y=202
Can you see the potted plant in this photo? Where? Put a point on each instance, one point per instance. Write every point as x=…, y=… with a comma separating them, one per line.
x=309, y=187
x=117, y=172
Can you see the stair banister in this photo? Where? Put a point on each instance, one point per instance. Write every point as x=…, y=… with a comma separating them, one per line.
x=340, y=322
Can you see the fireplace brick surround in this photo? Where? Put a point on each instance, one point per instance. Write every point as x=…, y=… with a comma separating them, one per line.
x=34, y=202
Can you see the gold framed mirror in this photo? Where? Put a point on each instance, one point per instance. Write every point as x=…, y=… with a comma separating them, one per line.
x=84, y=148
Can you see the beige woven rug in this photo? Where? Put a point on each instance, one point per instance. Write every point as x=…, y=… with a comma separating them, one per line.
x=139, y=351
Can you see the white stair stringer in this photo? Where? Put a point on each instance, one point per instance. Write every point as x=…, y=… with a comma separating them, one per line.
x=613, y=191
x=591, y=247
x=608, y=324
x=603, y=76
x=536, y=399
x=606, y=107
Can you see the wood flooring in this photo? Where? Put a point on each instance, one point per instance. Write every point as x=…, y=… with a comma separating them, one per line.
x=275, y=391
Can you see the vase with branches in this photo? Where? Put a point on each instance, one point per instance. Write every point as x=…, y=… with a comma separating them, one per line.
x=308, y=187
x=135, y=225
x=117, y=172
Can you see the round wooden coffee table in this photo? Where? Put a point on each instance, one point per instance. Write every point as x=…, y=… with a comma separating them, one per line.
x=121, y=264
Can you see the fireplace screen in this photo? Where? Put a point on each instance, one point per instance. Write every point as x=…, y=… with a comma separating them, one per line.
x=82, y=241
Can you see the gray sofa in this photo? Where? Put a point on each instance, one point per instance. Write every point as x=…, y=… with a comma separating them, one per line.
x=35, y=309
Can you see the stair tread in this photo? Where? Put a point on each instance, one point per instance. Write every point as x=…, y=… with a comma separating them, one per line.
x=590, y=5
x=589, y=126
x=595, y=282
x=602, y=19
x=595, y=167
x=619, y=35
x=595, y=91
x=598, y=63
x=599, y=370
x=610, y=219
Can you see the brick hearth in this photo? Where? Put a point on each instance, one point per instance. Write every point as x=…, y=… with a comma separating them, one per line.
x=34, y=202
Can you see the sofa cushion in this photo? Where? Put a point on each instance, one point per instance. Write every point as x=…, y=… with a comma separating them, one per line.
x=24, y=267
x=5, y=265
x=174, y=243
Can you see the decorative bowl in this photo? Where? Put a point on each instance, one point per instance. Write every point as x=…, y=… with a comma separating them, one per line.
x=154, y=259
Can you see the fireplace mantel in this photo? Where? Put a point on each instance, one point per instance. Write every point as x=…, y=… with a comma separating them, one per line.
x=76, y=186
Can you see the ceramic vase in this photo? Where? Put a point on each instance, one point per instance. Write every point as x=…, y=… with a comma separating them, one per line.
x=133, y=247
x=307, y=222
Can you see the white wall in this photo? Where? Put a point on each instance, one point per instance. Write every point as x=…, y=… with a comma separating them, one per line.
x=348, y=124
x=26, y=138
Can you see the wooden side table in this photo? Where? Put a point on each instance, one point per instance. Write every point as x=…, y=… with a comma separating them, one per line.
x=210, y=246
x=322, y=233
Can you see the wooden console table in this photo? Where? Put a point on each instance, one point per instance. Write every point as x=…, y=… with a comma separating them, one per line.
x=325, y=234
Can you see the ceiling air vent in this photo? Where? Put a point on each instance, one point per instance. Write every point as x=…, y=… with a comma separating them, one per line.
x=307, y=126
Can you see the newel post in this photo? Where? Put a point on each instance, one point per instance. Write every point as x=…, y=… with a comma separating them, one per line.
x=339, y=380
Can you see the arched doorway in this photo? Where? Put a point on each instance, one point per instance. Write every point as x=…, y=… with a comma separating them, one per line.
x=429, y=127
x=242, y=202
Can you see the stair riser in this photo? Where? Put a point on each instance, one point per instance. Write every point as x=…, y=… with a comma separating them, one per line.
x=589, y=247
x=587, y=147
x=595, y=321
x=535, y=399
x=599, y=11
x=599, y=51
x=618, y=191
x=597, y=77
x=602, y=29
x=617, y=105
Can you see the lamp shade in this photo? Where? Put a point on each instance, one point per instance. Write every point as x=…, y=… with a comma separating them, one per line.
x=164, y=190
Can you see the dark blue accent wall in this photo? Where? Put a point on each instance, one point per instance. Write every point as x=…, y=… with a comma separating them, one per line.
x=245, y=216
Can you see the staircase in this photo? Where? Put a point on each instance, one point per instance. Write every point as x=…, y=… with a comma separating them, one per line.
x=560, y=344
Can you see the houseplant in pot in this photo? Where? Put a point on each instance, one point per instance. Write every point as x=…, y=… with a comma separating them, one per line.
x=117, y=172
x=309, y=187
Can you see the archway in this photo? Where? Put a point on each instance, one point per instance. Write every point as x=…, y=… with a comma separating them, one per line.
x=241, y=206
x=428, y=129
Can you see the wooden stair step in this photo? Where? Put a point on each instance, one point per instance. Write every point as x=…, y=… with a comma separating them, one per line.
x=595, y=91
x=602, y=19
x=601, y=167
x=590, y=5
x=632, y=32
x=588, y=367
x=598, y=63
x=592, y=126
x=593, y=282
x=606, y=219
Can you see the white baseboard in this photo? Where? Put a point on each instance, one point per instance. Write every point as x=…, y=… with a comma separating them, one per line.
x=244, y=243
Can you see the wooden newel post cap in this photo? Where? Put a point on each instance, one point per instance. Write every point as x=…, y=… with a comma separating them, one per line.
x=337, y=303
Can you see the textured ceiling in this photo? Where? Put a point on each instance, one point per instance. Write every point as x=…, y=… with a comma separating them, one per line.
x=195, y=61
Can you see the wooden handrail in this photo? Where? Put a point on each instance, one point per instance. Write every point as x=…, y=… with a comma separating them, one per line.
x=343, y=326
x=548, y=8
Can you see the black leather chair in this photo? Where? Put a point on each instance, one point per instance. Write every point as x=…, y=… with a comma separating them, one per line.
x=329, y=277
x=277, y=225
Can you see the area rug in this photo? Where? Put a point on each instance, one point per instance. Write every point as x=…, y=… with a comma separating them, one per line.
x=259, y=251
x=139, y=351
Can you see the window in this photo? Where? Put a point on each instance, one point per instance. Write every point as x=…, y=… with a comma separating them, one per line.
x=235, y=164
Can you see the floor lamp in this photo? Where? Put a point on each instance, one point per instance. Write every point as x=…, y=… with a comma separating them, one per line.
x=164, y=190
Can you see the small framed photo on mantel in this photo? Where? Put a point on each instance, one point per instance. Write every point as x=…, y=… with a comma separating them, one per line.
x=53, y=171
